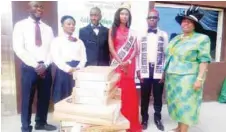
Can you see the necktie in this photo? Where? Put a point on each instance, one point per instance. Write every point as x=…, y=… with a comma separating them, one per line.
x=38, y=38
x=72, y=39
x=95, y=27
x=152, y=31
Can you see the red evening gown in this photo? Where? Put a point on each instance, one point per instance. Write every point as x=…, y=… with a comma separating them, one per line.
x=130, y=105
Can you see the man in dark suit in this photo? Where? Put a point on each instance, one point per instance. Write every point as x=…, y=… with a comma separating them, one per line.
x=95, y=38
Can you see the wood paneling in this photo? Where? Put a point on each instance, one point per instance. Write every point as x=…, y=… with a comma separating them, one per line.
x=151, y=5
x=218, y=4
x=213, y=84
x=223, y=46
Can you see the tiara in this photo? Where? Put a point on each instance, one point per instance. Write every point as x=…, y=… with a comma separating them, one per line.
x=125, y=5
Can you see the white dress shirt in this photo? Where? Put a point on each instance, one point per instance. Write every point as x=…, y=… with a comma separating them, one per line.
x=152, y=50
x=24, y=42
x=96, y=30
x=153, y=43
x=152, y=47
x=63, y=51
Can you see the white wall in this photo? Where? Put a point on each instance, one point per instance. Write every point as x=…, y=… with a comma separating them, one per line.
x=80, y=11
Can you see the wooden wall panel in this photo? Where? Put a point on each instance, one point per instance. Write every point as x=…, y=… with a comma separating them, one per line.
x=218, y=4
x=215, y=77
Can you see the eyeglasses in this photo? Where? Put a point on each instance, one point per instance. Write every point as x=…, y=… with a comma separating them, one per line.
x=152, y=17
x=39, y=6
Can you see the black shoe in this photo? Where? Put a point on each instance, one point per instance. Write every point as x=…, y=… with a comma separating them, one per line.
x=159, y=125
x=144, y=125
x=46, y=127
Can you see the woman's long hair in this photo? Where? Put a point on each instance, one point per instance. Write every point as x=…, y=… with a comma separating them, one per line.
x=116, y=22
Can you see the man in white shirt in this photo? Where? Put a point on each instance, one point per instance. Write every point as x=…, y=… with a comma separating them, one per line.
x=31, y=43
x=151, y=69
x=95, y=38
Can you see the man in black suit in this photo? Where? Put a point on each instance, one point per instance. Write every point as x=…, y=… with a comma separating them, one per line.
x=95, y=38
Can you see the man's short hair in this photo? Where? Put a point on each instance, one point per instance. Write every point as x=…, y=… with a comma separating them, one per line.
x=96, y=8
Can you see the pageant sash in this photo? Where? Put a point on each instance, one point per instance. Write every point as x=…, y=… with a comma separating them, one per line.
x=124, y=50
x=144, y=69
x=159, y=61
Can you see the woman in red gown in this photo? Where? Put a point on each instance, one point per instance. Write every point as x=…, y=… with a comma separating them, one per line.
x=123, y=49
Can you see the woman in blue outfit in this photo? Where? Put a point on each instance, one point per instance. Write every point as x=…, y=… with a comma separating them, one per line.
x=69, y=55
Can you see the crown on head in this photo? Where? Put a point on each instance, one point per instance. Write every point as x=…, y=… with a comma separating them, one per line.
x=125, y=5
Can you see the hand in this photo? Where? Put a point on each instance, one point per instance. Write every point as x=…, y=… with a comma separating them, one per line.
x=126, y=63
x=124, y=69
x=139, y=76
x=162, y=80
x=123, y=66
x=40, y=69
x=73, y=70
x=197, y=85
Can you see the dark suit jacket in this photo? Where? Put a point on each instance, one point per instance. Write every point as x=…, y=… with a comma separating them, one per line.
x=97, y=50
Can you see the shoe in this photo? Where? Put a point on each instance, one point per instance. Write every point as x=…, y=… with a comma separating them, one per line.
x=144, y=125
x=159, y=125
x=46, y=127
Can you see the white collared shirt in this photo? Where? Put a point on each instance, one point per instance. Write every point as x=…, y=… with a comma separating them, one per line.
x=63, y=50
x=153, y=43
x=24, y=42
x=96, y=30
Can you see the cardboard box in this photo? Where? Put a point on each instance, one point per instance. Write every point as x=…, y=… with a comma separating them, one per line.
x=83, y=119
x=71, y=126
x=94, y=73
x=92, y=92
x=107, y=112
x=100, y=87
x=94, y=100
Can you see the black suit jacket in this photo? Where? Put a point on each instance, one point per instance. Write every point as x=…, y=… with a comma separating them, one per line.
x=97, y=50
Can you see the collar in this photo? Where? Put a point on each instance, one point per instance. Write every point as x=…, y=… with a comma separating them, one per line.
x=33, y=21
x=99, y=25
x=157, y=28
x=67, y=35
x=186, y=37
x=153, y=28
